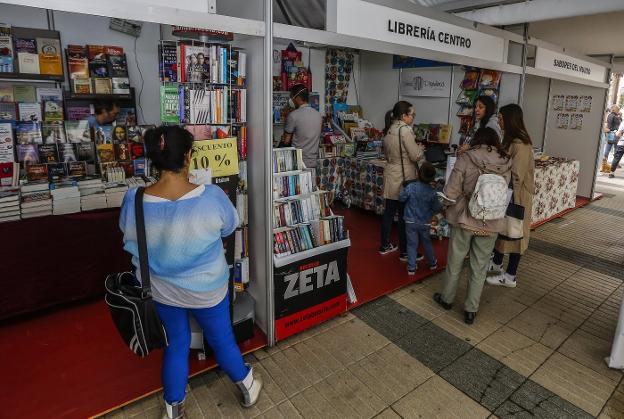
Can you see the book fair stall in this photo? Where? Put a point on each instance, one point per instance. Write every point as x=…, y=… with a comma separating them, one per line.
x=306, y=249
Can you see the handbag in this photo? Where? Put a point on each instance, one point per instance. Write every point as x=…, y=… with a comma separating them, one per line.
x=514, y=222
x=130, y=302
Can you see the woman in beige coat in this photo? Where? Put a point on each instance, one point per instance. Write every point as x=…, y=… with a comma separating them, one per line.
x=402, y=154
x=517, y=143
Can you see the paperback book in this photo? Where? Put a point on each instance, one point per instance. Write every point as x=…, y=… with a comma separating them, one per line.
x=77, y=62
x=67, y=152
x=98, y=66
x=7, y=150
x=121, y=85
x=30, y=112
x=9, y=174
x=8, y=111
x=49, y=93
x=78, y=131
x=169, y=104
x=29, y=133
x=117, y=66
x=53, y=132
x=168, y=61
x=103, y=86
x=27, y=56
x=6, y=92
x=49, y=50
x=6, y=54
x=106, y=153
x=48, y=153
x=24, y=93
x=37, y=172
x=52, y=111
x=27, y=154
x=104, y=134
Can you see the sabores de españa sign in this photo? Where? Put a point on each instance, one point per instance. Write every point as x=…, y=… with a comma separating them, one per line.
x=556, y=62
x=368, y=20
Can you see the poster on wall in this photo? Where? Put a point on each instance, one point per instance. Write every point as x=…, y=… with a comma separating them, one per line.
x=571, y=103
x=309, y=292
x=585, y=104
x=426, y=82
x=576, y=121
x=558, y=102
x=563, y=120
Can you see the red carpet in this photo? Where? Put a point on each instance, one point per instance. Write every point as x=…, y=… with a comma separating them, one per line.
x=372, y=274
x=72, y=364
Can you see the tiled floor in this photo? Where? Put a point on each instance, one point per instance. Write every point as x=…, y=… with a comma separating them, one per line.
x=535, y=351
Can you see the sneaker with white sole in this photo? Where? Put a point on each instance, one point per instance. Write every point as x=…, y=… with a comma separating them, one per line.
x=250, y=388
x=494, y=268
x=388, y=249
x=503, y=280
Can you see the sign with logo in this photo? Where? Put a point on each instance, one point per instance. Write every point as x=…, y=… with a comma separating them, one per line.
x=570, y=66
x=426, y=82
x=372, y=21
x=310, y=292
x=220, y=156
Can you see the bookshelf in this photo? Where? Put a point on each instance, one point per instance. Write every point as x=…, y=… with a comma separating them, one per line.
x=304, y=225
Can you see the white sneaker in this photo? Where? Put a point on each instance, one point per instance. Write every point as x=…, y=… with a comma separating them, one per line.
x=494, y=268
x=250, y=388
x=504, y=280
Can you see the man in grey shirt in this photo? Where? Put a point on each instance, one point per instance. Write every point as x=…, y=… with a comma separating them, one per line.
x=303, y=125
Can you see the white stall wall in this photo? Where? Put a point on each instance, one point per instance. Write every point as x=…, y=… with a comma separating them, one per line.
x=379, y=86
x=535, y=107
x=581, y=144
x=85, y=29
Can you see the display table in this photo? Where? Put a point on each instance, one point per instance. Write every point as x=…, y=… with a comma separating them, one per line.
x=58, y=259
x=354, y=181
x=556, y=182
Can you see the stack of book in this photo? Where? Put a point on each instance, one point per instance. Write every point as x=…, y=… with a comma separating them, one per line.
x=100, y=69
x=291, y=185
x=92, y=195
x=36, y=204
x=65, y=198
x=115, y=193
x=9, y=205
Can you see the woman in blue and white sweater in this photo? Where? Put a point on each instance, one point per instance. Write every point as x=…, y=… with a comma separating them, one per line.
x=189, y=274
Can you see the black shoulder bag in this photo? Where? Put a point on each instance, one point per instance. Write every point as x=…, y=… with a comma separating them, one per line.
x=131, y=305
x=405, y=182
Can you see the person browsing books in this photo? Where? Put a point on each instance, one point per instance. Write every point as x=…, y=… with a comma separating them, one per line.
x=421, y=202
x=303, y=125
x=486, y=116
x=185, y=224
x=106, y=112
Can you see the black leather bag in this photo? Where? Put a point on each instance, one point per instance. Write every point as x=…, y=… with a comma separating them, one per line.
x=130, y=303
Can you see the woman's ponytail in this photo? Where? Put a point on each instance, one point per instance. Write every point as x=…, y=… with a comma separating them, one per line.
x=389, y=120
x=400, y=108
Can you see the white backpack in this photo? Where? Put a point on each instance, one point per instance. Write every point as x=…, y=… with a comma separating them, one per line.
x=489, y=199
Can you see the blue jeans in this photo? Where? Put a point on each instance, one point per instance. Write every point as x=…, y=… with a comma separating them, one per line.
x=607, y=150
x=215, y=322
x=418, y=233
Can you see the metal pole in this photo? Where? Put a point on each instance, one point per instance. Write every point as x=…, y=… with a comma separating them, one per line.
x=268, y=164
x=525, y=51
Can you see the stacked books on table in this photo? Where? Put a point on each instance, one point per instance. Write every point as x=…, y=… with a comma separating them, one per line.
x=36, y=204
x=9, y=205
x=92, y=195
x=115, y=193
x=65, y=197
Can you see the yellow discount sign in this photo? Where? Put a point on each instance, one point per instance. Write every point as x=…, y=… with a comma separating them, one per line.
x=220, y=156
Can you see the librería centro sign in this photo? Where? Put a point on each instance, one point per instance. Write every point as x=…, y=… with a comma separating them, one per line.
x=373, y=21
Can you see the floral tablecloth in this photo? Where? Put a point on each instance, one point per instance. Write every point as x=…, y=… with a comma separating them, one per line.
x=556, y=181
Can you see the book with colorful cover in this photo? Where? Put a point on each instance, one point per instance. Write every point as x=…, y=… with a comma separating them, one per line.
x=7, y=149
x=6, y=92
x=8, y=111
x=139, y=167
x=36, y=172
x=98, y=66
x=170, y=104
x=82, y=86
x=168, y=61
x=104, y=134
x=126, y=116
x=119, y=134
x=30, y=112
x=121, y=85
x=134, y=134
x=196, y=64
x=78, y=131
x=52, y=111
x=67, y=152
x=57, y=171
x=53, y=132
x=77, y=169
x=49, y=93
x=29, y=133
x=137, y=150
x=48, y=153
x=49, y=50
x=27, y=154
x=122, y=151
x=24, y=93
x=78, y=113
x=7, y=65
x=9, y=174
x=106, y=153
x=77, y=62
x=27, y=56
x=117, y=66
x=103, y=86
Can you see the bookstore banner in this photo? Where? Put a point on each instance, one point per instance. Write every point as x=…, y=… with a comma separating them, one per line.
x=309, y=292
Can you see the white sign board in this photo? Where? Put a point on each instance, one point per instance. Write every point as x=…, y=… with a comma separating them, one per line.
x=570, y=66
x=430, y=82
x=202, y=6
x=372, y=21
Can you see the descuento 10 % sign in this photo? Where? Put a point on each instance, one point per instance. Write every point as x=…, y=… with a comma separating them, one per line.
x=220, y=156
